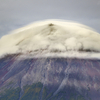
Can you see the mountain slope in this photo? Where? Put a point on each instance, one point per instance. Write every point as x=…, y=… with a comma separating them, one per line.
x=50, y=78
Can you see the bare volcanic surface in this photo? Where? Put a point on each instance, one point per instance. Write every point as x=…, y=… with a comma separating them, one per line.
x=49, y=78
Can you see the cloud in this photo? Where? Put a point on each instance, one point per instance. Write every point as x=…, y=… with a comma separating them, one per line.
x=51, y=36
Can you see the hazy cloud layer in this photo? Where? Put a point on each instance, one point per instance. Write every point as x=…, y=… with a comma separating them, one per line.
x=51, y=36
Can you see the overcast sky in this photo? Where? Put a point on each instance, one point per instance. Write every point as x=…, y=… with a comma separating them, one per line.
x=17, y=13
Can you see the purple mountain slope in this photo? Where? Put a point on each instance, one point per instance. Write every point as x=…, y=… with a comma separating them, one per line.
x=81, y=75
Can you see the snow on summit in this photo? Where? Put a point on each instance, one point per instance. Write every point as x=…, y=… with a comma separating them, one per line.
x=52, y=36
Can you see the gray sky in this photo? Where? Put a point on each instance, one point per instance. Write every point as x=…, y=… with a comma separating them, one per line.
x=17, y=13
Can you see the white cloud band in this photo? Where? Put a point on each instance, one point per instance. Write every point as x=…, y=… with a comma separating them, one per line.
x=51, y=36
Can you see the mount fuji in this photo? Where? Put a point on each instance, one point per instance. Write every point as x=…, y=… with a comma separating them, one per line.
x=50, y=60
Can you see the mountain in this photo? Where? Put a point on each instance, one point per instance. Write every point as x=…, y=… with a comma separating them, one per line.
x=49, y=78
x=50, y=60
